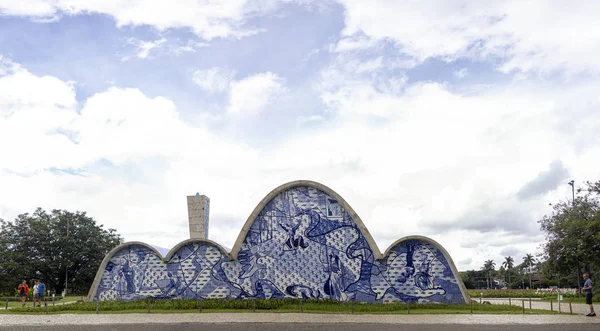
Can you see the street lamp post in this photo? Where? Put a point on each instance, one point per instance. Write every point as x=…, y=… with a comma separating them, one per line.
x=572, y=184
x=66, y=266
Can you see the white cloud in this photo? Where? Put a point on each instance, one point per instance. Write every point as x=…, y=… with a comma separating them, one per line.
x=33, y=111
x=214, y=80
x=251, y=94
x=353, y=42
x=121, y=125
x=446, y=160
x=40, y=8
x=122, y=152
x=208, y=19
x=247, y=96
x=144, y=47
x=462, y=73
x=370, y=66
x=190, y=47
x=529, y=36
x=411, y=158
x=311, y=118
x=436, y=158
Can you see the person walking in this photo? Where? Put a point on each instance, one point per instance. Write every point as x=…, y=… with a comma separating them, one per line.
x=587, y=287
x=23, y=291
x=35, y=292
x=41, y=287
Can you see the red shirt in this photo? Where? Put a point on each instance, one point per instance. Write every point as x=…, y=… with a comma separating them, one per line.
x=24, y=287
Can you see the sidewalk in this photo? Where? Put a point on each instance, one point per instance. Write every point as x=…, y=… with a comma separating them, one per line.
x=93, y=319
x=578, y=308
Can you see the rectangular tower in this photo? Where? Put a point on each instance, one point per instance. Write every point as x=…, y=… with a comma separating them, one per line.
x=198, y=211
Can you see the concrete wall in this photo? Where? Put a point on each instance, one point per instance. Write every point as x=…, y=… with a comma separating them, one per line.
x=303, y=241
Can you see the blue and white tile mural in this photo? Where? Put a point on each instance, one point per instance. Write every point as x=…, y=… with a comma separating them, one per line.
x=302, y=244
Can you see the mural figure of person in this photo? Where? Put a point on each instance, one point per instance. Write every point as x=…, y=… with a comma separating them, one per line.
x=128, y=274
x=334, y=286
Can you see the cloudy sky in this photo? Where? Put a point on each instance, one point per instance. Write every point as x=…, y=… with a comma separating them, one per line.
x=457, y=120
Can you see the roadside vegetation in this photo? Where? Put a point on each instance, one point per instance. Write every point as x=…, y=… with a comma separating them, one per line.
x=572, y=231
x=526, y=294
x=271, y=305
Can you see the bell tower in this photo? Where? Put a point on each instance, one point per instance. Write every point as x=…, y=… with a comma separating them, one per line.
x=198, y=212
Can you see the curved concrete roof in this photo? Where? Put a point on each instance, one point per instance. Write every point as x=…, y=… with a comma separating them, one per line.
x=441, y=249
x=109, y=255
x=244, y=231
x=191, y=241
x=240, y=239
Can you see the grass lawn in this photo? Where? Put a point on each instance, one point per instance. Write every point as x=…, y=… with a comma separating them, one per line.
x=273, y=305
x=283, y=311
x=29, y=303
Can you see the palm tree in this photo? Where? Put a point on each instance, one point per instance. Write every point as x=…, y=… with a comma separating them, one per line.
x=528, y=260
x=489, y=266
x=508, y=264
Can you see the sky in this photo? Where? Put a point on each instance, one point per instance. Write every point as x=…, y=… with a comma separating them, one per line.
x=456, y=120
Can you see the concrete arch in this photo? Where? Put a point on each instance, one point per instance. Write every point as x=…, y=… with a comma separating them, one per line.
x=455, y=273
x=109, y=256
x=244, y=231
x=192, y=241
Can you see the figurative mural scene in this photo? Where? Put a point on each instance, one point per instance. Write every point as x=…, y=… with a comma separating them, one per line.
x=302, y=244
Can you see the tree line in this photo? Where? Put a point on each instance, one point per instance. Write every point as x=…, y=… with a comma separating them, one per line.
x=524, y=275
x=60, y=247
x=572, y=247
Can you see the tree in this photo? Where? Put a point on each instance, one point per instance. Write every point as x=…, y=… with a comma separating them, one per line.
x=473, y=278
x=508, y=264
x=489, y=266
x=573, y=233
x=528, y=261
x=57, y=247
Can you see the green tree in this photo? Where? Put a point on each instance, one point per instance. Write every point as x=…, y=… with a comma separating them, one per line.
x=489, y=266
x=508, y=264
x=573, y=233
x=57, y=247
x=528, y=261
x=473, y=278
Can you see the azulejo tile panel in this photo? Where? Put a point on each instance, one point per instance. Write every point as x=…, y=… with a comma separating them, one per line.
x=303, y=243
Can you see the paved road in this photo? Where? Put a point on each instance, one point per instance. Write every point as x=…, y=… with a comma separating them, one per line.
x=217, y=319
x=302, y=327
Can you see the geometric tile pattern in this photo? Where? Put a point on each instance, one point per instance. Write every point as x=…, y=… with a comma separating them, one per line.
x=303, y=243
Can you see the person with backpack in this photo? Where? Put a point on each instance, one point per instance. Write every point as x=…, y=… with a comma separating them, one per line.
x=23, y=291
